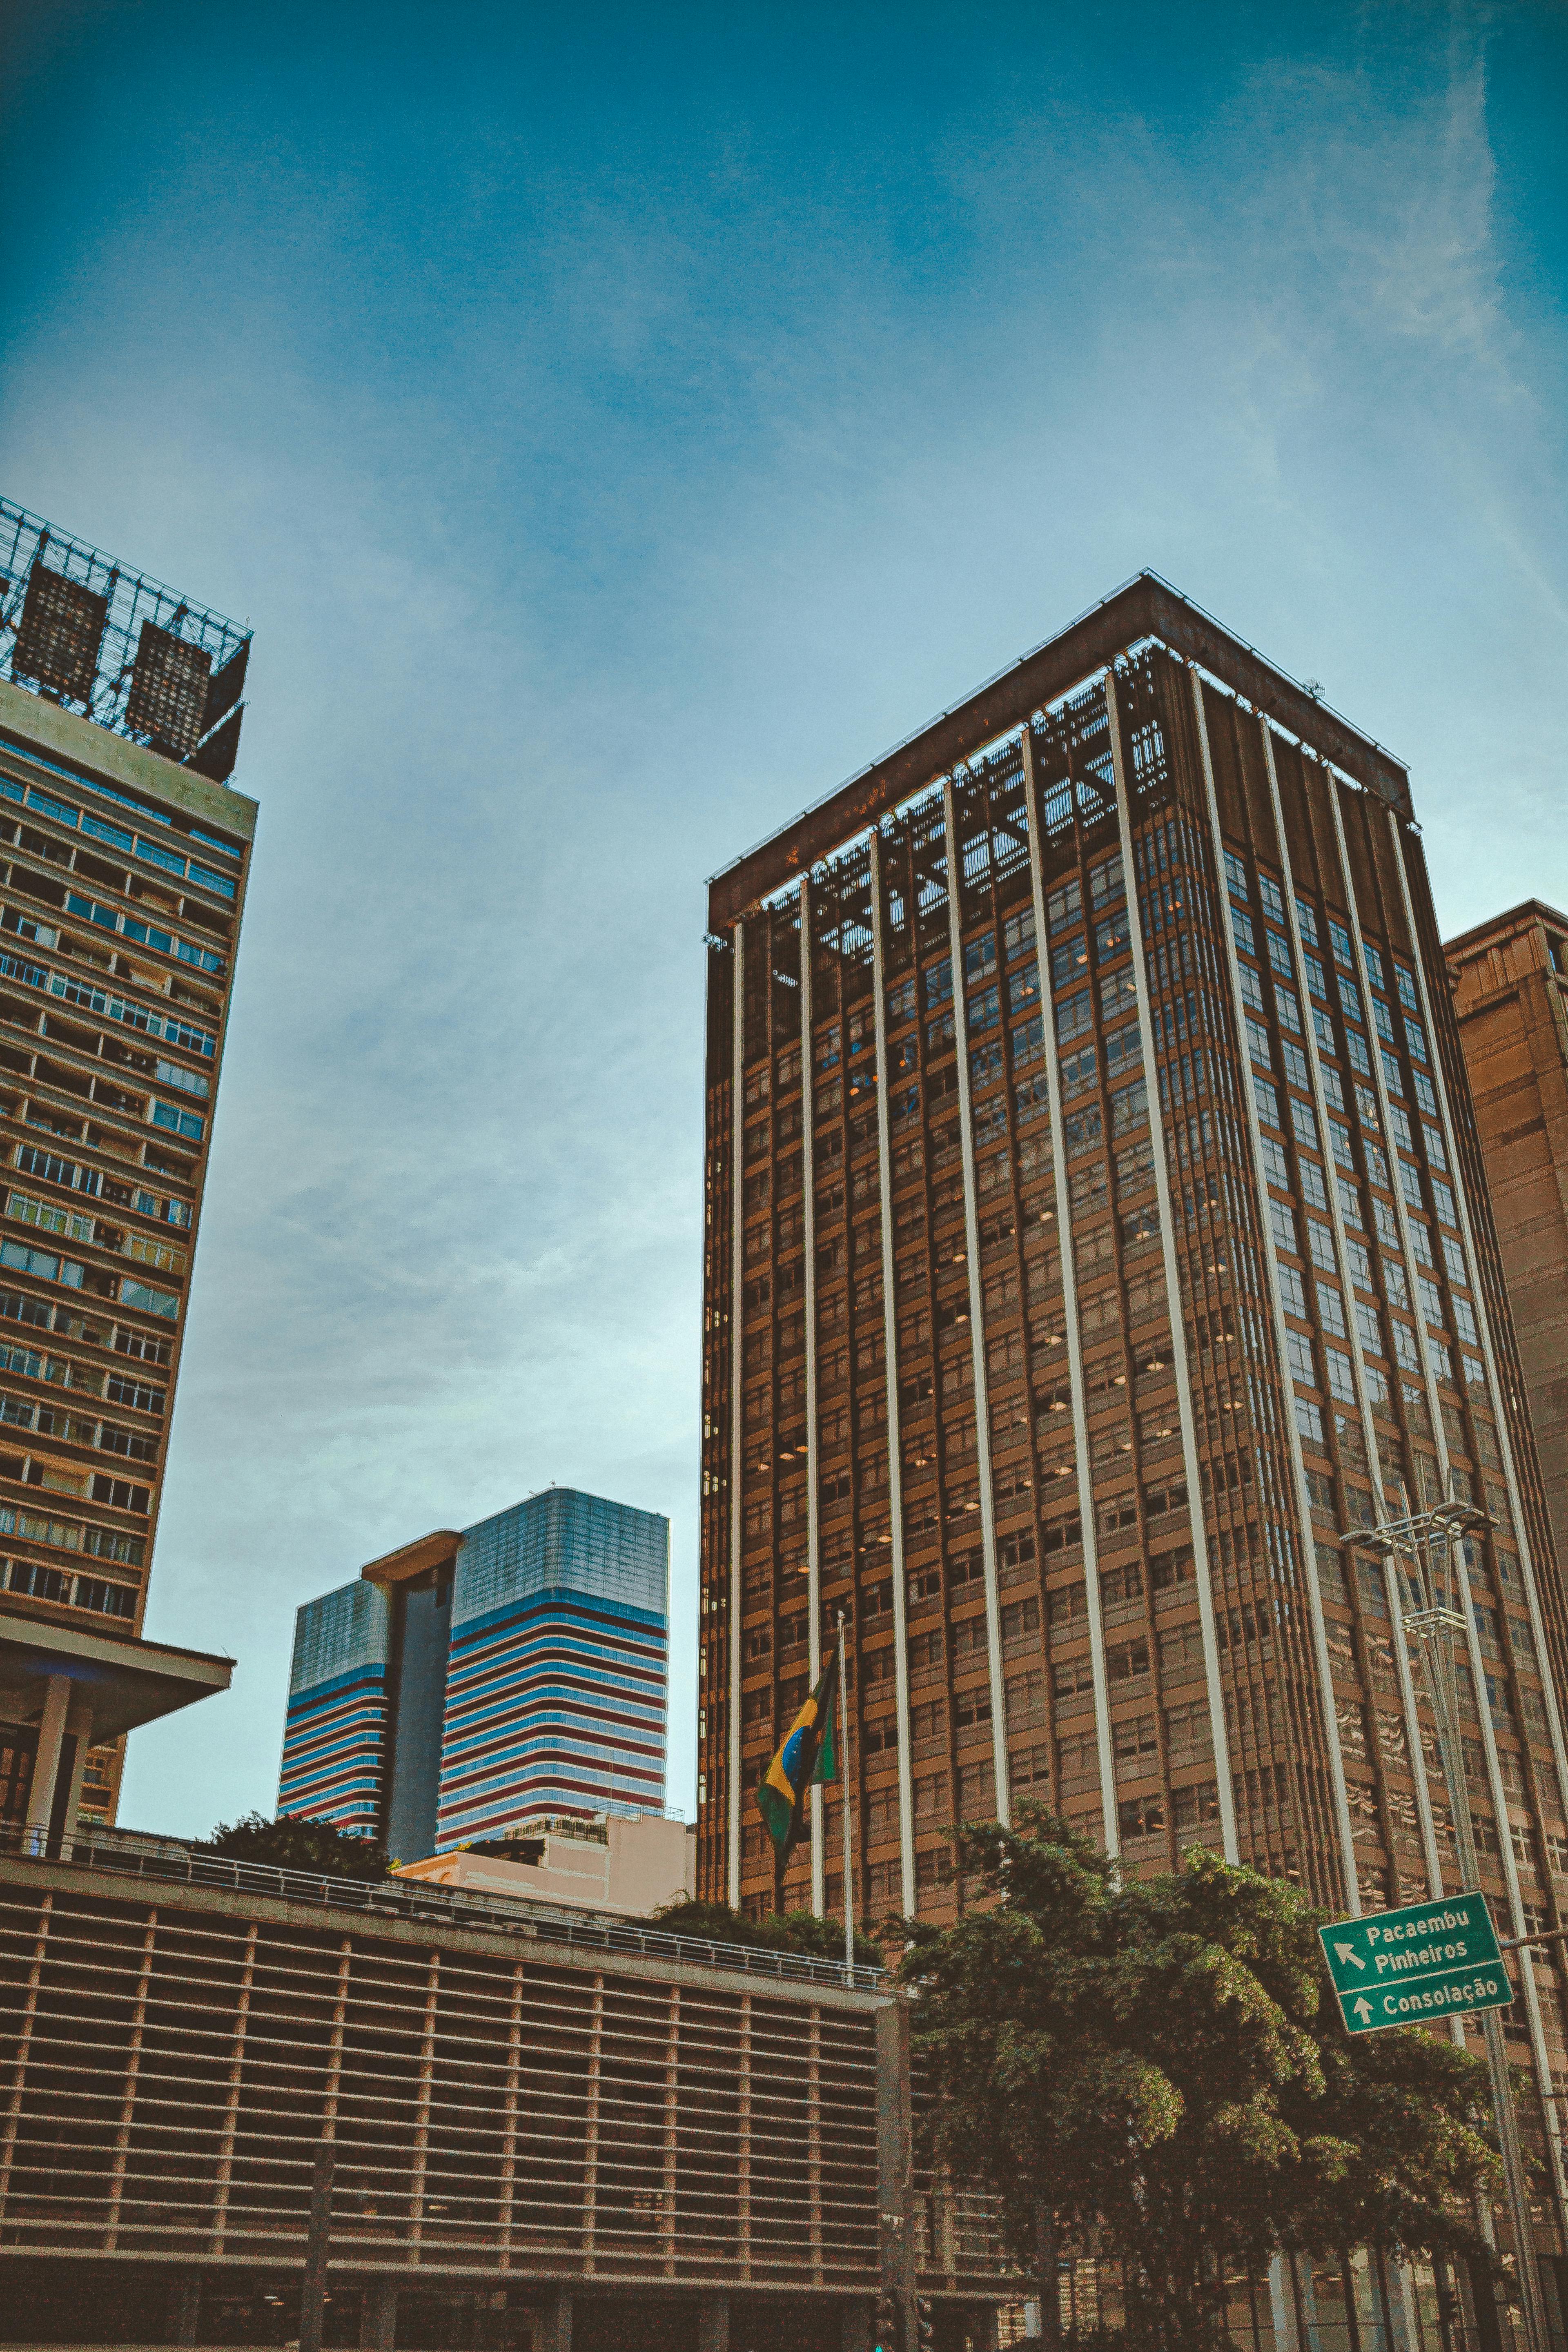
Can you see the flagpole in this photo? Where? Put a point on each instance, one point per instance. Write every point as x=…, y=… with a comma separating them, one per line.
x=844, y=1801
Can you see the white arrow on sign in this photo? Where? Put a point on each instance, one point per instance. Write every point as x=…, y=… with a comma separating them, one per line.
x=1362, y=2006
x=1347, y=1952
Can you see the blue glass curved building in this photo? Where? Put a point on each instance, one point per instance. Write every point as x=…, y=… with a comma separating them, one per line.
x=472, y=1680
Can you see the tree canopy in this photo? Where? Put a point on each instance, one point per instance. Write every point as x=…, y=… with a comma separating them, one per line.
x=291, y=1843
x=1160, y=2066
x=778, y=1931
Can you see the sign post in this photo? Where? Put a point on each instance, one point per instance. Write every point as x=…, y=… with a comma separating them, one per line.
x=1408, y=1967
x=1426, y=1554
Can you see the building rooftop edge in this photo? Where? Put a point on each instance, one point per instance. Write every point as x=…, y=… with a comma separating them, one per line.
x=1510, y=918
x=412, y=1560
x=1144, y=607
x=118, y=760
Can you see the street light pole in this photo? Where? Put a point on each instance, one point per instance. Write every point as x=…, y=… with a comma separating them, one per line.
x=1425, y=1549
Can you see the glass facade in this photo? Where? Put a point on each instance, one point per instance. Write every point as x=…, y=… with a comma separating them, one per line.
x=525, y=1677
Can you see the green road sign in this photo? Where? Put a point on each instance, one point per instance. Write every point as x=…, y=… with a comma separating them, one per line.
x=1405, y=1967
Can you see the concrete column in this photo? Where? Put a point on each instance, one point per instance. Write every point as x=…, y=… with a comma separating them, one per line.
x=78, y=1730
x=185, y=2308
x=47, y=1763
x=737, y=1419
x=1174, y=1296
x=555, y=2330
x=378, y=2316
x=895, y=1440
x=713, y=2324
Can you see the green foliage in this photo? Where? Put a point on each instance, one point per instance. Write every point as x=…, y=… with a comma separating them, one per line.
x=778, y=1931
x=291, y=1844
x=1161, y=2066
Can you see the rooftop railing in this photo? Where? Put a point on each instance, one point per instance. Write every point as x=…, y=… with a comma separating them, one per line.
x=144, y=1855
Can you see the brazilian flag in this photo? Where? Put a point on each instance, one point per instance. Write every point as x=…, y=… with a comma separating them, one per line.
x=809, y=1753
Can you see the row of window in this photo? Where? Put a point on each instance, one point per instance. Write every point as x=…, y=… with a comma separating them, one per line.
x=92, y=996
x=47, y=1265
x=70, y=1535
x=118, y=836
x=74, y=1176
x=52, y=1217
x=69, y=1587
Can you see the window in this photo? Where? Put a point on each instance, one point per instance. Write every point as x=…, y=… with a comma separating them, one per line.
x=1283, y=1217
x=42, y=1263
x=1133, y=1740
x=1021, y=1618
x=1257, y=1045
x=1292, y=1291
x=1309, y=1421
x=1273, y=900
x=1267, y=1101
x=1322, y=1241
x=49, y=1217
x=1340, y=1383
x=1064, y=906
x=1241, y=926
x=1279, y=953
x=143, y=1346
x=1074, y=1015
x=1139, y=1817
x=1019, y=930
x=179, y=1122
x=149, y=1302
x=1025, y=1698
x=1125, y=1660
x=1105, y=881
x=1195, y=1808
x=120, y=1494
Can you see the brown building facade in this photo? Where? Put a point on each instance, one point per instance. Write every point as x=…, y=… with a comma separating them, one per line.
x=1509, y=978
x=1095, y=1241
x=123, y=858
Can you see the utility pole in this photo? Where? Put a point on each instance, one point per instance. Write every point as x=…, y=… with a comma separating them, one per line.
x=1426, y=1550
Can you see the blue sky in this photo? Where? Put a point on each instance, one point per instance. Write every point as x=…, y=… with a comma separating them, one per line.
x=618, y=428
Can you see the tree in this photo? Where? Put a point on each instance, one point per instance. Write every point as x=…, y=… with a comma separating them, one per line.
x=778, y=1931
x=1156, y=2066
x=291, y=1843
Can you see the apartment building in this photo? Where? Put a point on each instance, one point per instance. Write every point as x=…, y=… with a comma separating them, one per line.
x=1509, y=978
x=473, y=1681
x=123, y=858
x=1097, y=1242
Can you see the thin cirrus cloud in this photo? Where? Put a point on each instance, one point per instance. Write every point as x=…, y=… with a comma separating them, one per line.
x=608, y=467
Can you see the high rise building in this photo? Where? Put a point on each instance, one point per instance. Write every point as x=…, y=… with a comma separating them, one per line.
x=469, y=1682
x=1509, y=979
x=124, y=857
x=1096, y=1242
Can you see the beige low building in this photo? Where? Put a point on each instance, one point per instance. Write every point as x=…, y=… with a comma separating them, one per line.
x=609, y=1863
